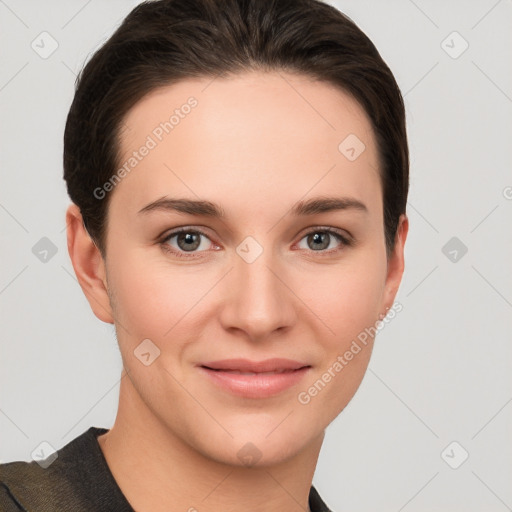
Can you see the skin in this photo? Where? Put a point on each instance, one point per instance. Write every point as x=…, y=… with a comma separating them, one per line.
x=255, y=146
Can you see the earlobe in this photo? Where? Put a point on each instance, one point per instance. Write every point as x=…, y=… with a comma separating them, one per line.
x=396, y=264
x=88, y=264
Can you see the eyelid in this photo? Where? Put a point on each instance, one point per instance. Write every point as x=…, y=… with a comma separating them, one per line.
x=329, y=229
x=180, y=229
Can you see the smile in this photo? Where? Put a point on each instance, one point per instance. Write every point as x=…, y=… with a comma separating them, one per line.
x=254, y=379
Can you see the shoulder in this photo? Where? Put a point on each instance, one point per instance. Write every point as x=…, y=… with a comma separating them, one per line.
x=58, y=482
x=22, y=484
x=316, y=503
x=8, y=502
x=19, y=482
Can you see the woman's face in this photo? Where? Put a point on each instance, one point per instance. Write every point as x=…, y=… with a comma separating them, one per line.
x=268, y=279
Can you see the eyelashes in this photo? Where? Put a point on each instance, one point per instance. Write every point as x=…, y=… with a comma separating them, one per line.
x=176, y=233
x=343, y=241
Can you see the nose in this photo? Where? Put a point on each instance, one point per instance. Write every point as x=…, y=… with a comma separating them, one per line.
x=259, y=298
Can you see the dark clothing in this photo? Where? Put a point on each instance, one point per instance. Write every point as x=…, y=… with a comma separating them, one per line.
x=78, y=480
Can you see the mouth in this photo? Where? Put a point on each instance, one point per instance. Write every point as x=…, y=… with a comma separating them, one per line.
x=276, y=364
x=252, y=379
x=238, y=372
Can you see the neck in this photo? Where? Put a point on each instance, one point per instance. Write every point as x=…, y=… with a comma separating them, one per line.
x=157, y=471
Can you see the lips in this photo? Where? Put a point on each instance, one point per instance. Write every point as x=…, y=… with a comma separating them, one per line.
x=275, y=365
x=255, y=379
x=238, y=372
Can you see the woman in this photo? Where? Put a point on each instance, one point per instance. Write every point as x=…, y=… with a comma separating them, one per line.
x=238, y=172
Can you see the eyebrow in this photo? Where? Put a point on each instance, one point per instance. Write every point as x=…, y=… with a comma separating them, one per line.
x=209, y=209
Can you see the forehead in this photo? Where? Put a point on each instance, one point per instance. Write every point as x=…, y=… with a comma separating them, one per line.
x=255, y=138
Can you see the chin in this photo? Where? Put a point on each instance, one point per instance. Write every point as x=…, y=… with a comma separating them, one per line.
x=259, y=446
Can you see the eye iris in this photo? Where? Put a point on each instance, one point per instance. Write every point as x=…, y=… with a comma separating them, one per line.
x=319, y=237
x=192, y=241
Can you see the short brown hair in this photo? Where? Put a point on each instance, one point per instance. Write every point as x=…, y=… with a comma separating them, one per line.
x=164, y=41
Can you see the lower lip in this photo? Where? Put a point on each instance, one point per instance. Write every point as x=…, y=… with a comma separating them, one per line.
x=255, y=386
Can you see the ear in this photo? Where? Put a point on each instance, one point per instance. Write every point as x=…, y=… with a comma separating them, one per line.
x=88, y=264
x=395, y=265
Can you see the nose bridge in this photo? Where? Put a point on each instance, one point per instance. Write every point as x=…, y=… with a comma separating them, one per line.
x=259, y=301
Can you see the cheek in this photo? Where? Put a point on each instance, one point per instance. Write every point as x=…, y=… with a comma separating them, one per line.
x=157, y=300
x=346, y=298
x=348, y=306
x=154, y=298
x=348, y=302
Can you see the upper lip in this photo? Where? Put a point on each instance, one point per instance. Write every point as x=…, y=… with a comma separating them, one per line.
x=245, y=365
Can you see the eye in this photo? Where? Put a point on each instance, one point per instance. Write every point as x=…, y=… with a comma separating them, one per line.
x=320, y=239
x=187, y=241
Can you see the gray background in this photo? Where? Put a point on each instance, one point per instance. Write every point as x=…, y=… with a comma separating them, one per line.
x=441, y=370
